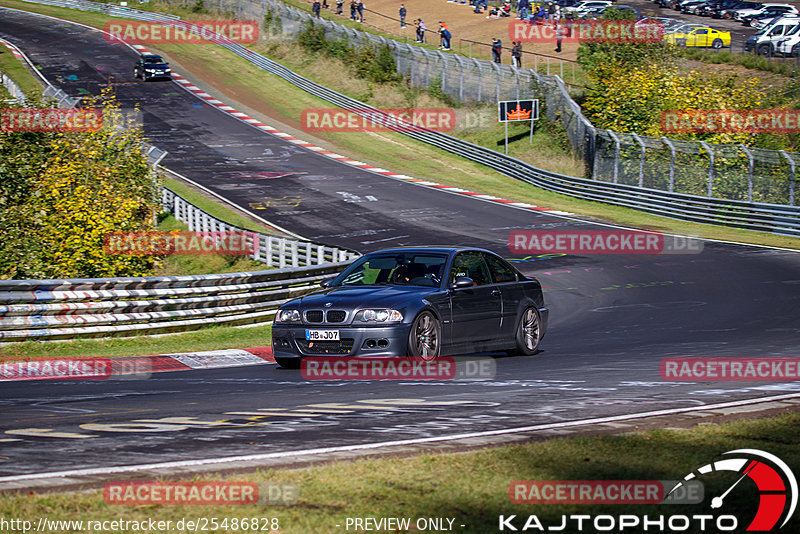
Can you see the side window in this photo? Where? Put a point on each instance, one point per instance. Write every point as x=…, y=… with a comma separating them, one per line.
x=499, y=270
x=469, y=264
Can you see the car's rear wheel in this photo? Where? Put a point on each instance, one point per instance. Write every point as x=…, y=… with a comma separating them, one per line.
x=529, y=332
x=717, y=44
x=288, y=363
x=424, y=340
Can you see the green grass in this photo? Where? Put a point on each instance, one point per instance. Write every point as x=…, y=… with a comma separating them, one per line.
x=213, y=206
x=472, y=487
x=185, y=264
x=209, y=338
x=18, y=72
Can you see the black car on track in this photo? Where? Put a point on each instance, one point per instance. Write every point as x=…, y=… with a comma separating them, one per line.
x=151, y=66
x=422, y=301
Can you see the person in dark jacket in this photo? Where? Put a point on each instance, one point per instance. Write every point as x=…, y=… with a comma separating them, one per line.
x=353, y=8
x=445, y=34
x=403, y=13
x=360, y=8
x=516, y=54
x=497, y=49
x=315, y=8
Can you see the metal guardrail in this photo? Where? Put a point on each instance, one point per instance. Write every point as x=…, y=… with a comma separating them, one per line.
x=777, y=218
x=17, y=95
x=56, y=309
x=112, y=10
x=272, y=250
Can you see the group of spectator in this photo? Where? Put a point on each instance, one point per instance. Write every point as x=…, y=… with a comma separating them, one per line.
x=356, y=8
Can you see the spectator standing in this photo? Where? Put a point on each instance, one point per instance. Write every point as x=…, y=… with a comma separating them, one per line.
x=360, y=8
x=403, y=13
x=551, y=11
x=559, y=36
x=420, y=25
x=339, y=7
x=516, y=53
x=497, y=49
x=522, y=9
x=445, y=34
x=315, y=8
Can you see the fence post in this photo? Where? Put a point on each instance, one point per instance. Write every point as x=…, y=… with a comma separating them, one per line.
x=641, y=159
x=792, y=175
x=616, y=155
x=671, y=163
x=710, y=151
x=480, y=79
x=749, y=173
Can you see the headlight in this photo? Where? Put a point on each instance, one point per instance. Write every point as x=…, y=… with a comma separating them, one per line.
x=378, y=316
x=287, y=316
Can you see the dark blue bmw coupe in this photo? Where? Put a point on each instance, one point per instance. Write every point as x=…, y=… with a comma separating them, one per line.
x=421, y=301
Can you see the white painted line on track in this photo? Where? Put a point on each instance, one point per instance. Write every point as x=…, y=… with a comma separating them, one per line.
x=385, y=444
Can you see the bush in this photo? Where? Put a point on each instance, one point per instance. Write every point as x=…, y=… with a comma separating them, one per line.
x=64, y=193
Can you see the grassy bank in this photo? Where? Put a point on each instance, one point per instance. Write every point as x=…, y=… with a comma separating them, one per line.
x=239, y=81
x=473, y=488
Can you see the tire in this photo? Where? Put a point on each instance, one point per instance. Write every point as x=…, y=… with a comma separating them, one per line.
x=765, y=50
x=288, y=363
x=727, y=16
x=425, y=337
x=529, y=332
x=717, y=44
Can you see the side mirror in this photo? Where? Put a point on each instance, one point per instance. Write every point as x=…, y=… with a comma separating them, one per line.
x=326, y=282
x=462, y=282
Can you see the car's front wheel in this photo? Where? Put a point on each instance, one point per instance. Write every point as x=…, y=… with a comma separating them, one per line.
x=425, y=337
x=765, y=50
x=529, y=332
x=288, y=363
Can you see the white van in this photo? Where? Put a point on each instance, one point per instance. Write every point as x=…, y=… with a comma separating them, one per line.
x=765, y=41
x=790, y=44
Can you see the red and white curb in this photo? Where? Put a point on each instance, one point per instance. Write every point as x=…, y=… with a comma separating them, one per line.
x=14, y=50
x=189, y=86
x=131, y=366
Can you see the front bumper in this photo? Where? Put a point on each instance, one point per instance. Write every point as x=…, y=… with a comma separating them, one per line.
x=289, y=341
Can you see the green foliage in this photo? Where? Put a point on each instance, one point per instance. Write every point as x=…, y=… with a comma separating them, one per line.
x=373, y=64
x=435, y=90
x=312, y=38
x=198, y=7
x=62, y=193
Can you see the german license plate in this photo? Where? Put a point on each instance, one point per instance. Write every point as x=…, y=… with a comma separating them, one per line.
x=322, y=335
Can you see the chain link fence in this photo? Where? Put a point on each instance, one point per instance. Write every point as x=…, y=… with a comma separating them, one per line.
x=691, y=167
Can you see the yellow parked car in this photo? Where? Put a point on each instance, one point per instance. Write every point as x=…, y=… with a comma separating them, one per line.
x=699, y=36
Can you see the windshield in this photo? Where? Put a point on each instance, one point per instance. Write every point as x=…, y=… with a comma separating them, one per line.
x=398, y=268
x=153, y=61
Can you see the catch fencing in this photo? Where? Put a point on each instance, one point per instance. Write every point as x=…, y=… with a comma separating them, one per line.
x=17, y=96
x=754, y=215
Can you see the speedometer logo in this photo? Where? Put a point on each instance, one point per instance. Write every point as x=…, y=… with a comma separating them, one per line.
x=777, y=485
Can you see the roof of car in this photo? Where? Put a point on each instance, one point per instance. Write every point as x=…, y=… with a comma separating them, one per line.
x=433, y=248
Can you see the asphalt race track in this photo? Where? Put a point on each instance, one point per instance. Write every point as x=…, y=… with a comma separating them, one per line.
x=613, y=317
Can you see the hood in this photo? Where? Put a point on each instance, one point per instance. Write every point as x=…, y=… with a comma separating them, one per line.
x=351, y=297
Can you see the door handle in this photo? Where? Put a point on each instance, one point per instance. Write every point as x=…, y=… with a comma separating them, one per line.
x=495, y=292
